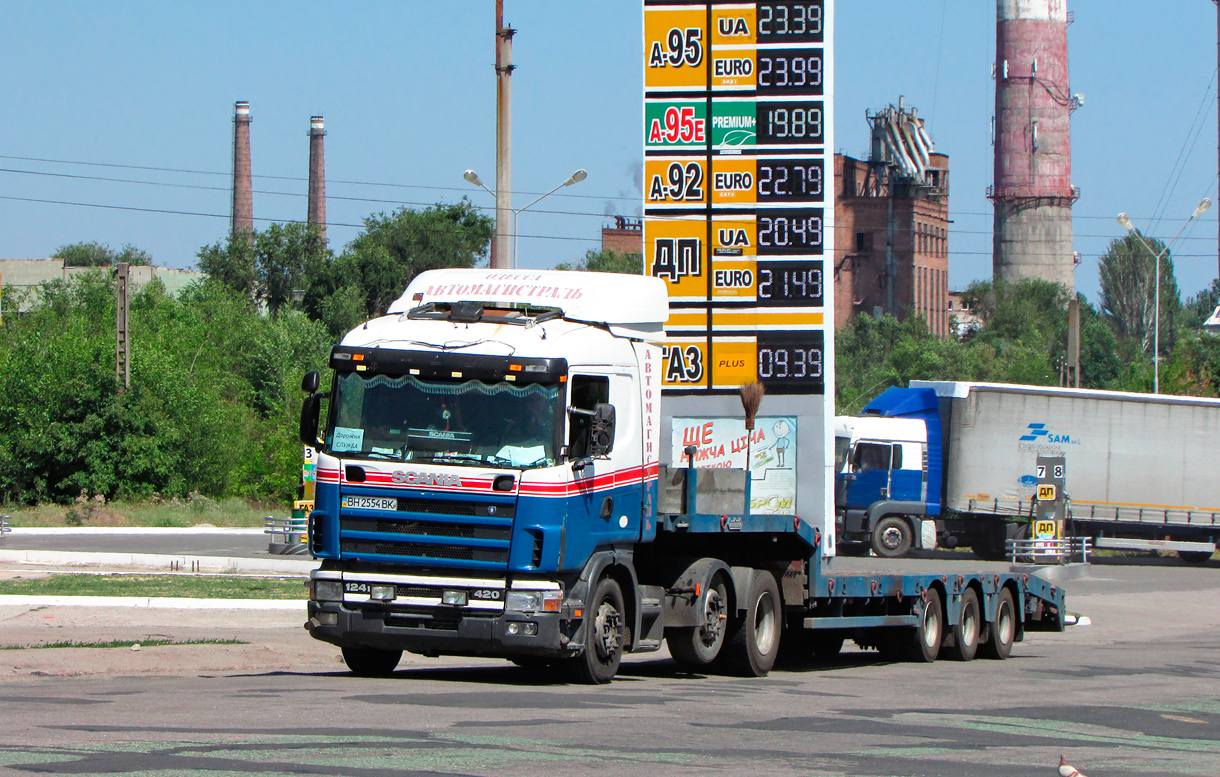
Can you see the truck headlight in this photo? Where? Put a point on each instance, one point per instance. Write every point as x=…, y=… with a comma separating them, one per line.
x=328, y=590
x=533, y=601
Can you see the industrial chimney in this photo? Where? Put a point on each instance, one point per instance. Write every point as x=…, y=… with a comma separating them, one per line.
x=317, y=176
x=243, y=191
x=1033, y=191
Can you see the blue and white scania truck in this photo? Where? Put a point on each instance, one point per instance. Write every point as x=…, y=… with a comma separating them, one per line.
x=491, y=482
x=948, y=464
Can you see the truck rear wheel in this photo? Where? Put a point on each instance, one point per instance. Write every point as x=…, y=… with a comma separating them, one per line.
x=605, y=629
x=968, y=628
x=923, y=640
x=891, y=537
x=754, y=641
x=1002, y=631
x=371, y=662
x=696, y=647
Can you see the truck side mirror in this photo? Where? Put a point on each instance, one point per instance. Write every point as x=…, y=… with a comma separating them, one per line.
x=601, y=438
x=310, y=383
x=309, y=419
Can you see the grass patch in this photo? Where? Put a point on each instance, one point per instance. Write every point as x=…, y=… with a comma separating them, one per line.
x=126, y=643
x=190, y=586
x=229, y=513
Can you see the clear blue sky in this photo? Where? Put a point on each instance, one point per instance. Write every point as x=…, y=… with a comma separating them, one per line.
x=407, y=89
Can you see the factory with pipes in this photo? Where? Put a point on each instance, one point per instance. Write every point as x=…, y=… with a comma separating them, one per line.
x=892, y=211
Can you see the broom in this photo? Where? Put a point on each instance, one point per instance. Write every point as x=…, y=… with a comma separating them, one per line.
x=751, y=398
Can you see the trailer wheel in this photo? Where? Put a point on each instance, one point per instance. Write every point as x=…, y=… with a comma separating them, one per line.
x=696, y=647
x=1003, y=630
x=891, y=537
x=754, y=641
x=605, y=629
x=371, y=662
x=923, y=639
x=1195, y=556
x=968, y=628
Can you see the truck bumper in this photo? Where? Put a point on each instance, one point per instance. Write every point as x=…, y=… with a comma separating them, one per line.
x=504, y=635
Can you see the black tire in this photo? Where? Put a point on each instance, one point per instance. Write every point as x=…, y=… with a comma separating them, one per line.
x=923, y=640
x=1195, y=556
x=605, y=632
x=753, y=642
x=969, y=627
x=371, y=662
x=696, y=647
x=1001, y=632
x=891, y=537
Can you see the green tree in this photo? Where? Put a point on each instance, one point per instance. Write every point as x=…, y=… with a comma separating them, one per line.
x=267, y=266
x=607, y=260
x=1200, y=307
x=100, y=255
x=383, y=259
x=1128, y=291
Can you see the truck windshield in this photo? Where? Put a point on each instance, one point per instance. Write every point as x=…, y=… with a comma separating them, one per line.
x=842, y=449
x=472, y=422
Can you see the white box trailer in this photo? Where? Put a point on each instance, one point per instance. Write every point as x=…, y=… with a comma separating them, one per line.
x=1142, y=469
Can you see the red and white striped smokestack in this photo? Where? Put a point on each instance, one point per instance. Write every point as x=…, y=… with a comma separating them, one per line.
x=243, y=190
x=1033, y=191
x=317, y=176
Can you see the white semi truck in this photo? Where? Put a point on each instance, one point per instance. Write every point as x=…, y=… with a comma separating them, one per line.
x=951, y=463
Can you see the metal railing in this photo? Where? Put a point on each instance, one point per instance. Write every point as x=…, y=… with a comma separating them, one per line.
x=1068, y=550
x=4, y=527
x=287, y=535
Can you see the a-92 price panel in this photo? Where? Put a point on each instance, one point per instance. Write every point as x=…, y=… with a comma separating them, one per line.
x=791, y=362
x=791, y=21
x=789, y=71
x=790, y=123
x=790, y=284
x=790, y=180
x=779, y=232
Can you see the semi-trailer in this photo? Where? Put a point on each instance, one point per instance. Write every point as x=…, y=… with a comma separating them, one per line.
x=955, y=463
x=490, y=483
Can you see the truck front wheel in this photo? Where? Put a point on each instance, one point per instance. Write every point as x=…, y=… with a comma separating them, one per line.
x=605, y=631
x=754, y=643
x=891, y=537
x=371, y=662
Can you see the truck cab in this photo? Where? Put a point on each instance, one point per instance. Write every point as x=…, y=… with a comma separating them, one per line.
x=483, y=464
x=885, y=497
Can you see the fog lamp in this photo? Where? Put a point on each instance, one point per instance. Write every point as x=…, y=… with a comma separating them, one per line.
x=382, y=593
x=455, y=598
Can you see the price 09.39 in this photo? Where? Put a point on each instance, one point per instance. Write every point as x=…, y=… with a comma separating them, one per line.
x=790, y=123
x=791, y=360
x=789, y=232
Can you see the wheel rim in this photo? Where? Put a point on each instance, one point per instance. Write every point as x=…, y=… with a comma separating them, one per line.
x=764, y=624
x=714, y=616
x=1004, y=624
x=931, y=627
x=891, y=538
x=970, y=625
x=609, y=623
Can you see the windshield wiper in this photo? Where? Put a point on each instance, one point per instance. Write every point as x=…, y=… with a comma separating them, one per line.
x=491, y=461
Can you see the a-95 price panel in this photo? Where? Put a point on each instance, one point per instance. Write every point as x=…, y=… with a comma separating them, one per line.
x=791, y=362
x=790, y=284
x=789, y=71
x=779, y=232
x=791, y=21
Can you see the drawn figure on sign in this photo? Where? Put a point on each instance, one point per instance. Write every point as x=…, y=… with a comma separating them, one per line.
x=782, y=430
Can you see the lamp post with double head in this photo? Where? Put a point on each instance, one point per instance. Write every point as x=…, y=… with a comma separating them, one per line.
x=473, y=178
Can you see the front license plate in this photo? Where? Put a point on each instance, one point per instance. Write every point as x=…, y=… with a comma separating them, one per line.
x=370, y=503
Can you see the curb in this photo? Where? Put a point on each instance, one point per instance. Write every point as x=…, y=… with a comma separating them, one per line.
x=162, y=562
x=161, y=602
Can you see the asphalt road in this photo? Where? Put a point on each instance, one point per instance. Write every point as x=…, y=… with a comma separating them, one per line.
x=237, y=543
x=1135, y=693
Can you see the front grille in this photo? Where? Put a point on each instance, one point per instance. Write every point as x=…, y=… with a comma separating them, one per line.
x=428, y=528
x=450, y=507
x=426, y=550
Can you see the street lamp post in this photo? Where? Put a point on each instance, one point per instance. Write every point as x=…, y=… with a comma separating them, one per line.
x=1125, y=222
x=473, y=178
